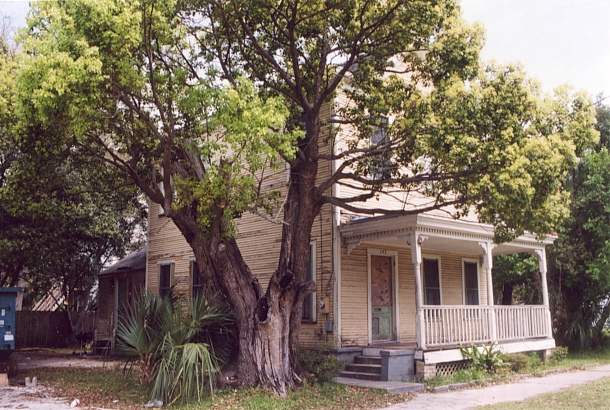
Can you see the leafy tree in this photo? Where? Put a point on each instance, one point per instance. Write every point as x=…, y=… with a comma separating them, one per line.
x=516, y=278
x=580, y=274
x=196, y=100
x=62, y=214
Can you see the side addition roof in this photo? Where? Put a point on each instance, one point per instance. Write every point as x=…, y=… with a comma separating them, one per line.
x=135, y=261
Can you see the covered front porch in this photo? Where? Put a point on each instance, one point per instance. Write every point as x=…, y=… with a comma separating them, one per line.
x=437, y=292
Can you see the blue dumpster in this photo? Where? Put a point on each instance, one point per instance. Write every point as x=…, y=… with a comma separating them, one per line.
x=7, y=321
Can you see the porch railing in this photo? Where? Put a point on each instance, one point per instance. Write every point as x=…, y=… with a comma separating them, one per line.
x=520, y=322
x=450, y=325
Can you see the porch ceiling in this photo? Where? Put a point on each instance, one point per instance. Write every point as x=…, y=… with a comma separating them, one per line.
x=443, y=235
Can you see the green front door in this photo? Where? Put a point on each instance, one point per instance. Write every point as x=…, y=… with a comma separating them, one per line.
x=382, y=323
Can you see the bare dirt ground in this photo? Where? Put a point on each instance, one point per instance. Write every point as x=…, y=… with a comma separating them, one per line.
x=18, y=396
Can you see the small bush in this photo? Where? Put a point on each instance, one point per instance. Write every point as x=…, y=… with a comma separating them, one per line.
x=560, y=353
x=318, y=364
x=534, y=360
x=519, y=362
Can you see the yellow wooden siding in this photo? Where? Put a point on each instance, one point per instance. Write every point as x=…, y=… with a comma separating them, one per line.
x=354, y=291
x=259, y=241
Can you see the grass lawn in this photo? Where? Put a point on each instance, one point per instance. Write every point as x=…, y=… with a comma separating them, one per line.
x=109, y=387
x=595, y=395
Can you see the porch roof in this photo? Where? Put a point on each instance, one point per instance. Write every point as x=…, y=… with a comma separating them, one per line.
x=443, y=234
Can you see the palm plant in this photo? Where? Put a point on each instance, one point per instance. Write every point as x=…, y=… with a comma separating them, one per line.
x=488, y=358
x=174, y=346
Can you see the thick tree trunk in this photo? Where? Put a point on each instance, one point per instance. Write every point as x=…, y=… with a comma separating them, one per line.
x=268, y=324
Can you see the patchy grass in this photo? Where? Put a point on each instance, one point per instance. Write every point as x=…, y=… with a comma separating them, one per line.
x=106, y=387
x=594, y=395
x=109, y=387
x=324, y=397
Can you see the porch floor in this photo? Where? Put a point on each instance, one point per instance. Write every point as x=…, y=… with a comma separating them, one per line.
x=392, y=345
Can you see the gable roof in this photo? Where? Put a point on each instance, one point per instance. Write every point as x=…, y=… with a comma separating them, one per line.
x=135, y=261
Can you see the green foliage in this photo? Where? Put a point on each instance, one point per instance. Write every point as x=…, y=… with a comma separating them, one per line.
x=579, y=272
x=319, y=364
x=560, y=353
x=516, y=279
x=97, y=68
x=179, y=352
x=519, y=362
x=489, y=358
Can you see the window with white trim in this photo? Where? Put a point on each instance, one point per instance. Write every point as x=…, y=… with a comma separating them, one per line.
x=471, y=282
x=432, y=281
x=309, y=303
x=165, y=278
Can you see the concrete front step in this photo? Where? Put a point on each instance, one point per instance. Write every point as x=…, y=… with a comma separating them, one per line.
x=360, y=376
x=368, y=360
x=364, y=368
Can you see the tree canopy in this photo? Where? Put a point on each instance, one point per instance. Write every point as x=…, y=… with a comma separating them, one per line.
x=63, y=214
x=580, y=274
x=195, y=101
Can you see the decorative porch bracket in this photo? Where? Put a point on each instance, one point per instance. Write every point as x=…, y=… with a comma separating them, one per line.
x=541, y=254
x=351, y=245
x=488, y=265
x=415, y=240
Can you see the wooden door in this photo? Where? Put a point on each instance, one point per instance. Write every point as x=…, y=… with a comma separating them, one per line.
x=382, y=303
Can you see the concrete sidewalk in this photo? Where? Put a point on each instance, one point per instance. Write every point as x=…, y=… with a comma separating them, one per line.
x=515, y=391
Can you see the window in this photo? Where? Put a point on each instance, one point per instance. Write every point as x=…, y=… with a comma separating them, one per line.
x=162, y=188
x=432, y=282
x=309, y=303
x=165, y=279
x=196, y=280
x=381, y=162
x=471, y=283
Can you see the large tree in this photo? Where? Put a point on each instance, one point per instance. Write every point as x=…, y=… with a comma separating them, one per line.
x=580, y=273
x=62, y=214
x=195, y=100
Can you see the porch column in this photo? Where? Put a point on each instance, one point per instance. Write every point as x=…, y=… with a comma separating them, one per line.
x=415, y=240
x=488, y=265
x=541, y=254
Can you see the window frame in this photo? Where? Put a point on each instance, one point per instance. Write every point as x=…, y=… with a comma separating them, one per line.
x=192, y=274
x=379, y=132
x=312, y=263
x=464, y=289
x=437, y=258
x=163, y=290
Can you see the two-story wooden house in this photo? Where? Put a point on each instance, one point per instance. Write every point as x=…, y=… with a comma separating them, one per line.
x=408, y=289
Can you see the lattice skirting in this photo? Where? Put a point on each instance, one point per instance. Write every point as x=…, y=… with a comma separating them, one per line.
x=448, y=368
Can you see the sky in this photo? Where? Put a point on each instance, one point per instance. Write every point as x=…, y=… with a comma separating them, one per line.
x=557, y=41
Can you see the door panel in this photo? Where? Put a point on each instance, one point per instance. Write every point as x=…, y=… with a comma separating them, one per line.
x=382, y=298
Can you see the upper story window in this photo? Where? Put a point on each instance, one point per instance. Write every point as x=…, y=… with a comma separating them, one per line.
x=379, y=163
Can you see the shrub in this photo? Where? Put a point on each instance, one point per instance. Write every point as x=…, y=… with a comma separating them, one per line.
x=489, y=358
x=534, y=360
x=560, y=353
x=178, y=352
x=318, y=364
x=519, y=362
